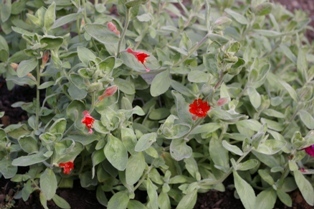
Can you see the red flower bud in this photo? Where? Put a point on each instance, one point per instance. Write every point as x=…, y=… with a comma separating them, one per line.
x=45, y=57
x=199, y=108
x=67, y=167
x=112, y=27
x=108, y=92
x=88, y=120
x=222, y=101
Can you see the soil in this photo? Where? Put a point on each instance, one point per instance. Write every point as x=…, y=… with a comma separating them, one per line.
x=80, y=198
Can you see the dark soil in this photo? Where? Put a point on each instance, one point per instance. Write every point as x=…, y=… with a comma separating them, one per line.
x=80, y=198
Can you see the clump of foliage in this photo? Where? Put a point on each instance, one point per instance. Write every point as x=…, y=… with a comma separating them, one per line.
x=159, y=96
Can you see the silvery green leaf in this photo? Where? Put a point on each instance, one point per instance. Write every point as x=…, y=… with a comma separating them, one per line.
x=245, y=191
x=160, y=83
x=232, y=148
x=116, y=153
x=266, y=199
x=145, y=142
x=119, y=200
x=255, y=97
x=135, y=168
x=238, y=17
x=305, y=187
x=218, y=153
x=7, y=169
x=188, y=201
x=307, y=119
x=26, y=66
x=134, y=204
x=60, y=202
x=48, y=183
x=284, y=197
x=180, y=150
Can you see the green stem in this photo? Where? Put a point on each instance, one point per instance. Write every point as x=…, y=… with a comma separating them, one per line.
x=126, y=25
x=143, y=178
x=288, y=123
x=192, y=50
x=37, y=97
x=220, y=180
x=221, y=76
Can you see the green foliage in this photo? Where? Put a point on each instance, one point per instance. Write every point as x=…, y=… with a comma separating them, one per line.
x=250, y=61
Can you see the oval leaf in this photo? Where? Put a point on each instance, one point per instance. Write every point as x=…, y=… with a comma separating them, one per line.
x=48, y=183
x=116, y=153
x=245, y=191
x=145, y=142
x=135, y=168
x=119, y=200
x=26, y=66
x=305, y=187
x=160, y=83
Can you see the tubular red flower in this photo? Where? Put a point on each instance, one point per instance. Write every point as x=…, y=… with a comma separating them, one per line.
x=88, y=120
x=199, y=108
x=140, y=56
x=310, y=150
x=67, y=167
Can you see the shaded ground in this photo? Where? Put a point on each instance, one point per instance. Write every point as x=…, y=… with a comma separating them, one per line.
x=80, y=198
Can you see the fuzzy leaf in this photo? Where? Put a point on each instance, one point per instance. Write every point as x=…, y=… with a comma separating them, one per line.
x=238, y=17
x=245, y=191
x=48, y=183
x=305, y=187
x=307, y=119
x=160, y=83
x=188, y=201
x=50, y=16
x=135, y=168
x=60, y=202
x=145, y=142
x=7, y=169
x=26, y=66
x=59, y=126
x=119, y=200
x=266, y=199
x=65, y=19
x=255, y=97
x=180, y=150
x=116, y=153
x=232, y=148
x=28, y=144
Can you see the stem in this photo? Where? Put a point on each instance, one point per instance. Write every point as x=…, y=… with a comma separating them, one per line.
x=230, y=169
x=221, y=76
x=288, y=123
x=37, y=97
x=192, y=50
x=143, y=178
x=126, y=25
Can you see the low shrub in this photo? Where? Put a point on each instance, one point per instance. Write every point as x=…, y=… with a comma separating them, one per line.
x=166, y=97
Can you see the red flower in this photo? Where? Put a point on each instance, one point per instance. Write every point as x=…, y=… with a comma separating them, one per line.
x=140, y=56
x=199, y=108
x=310, y=150
x=88, y=120
x=67, y=167
x=108, y=92
x=112, y=27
